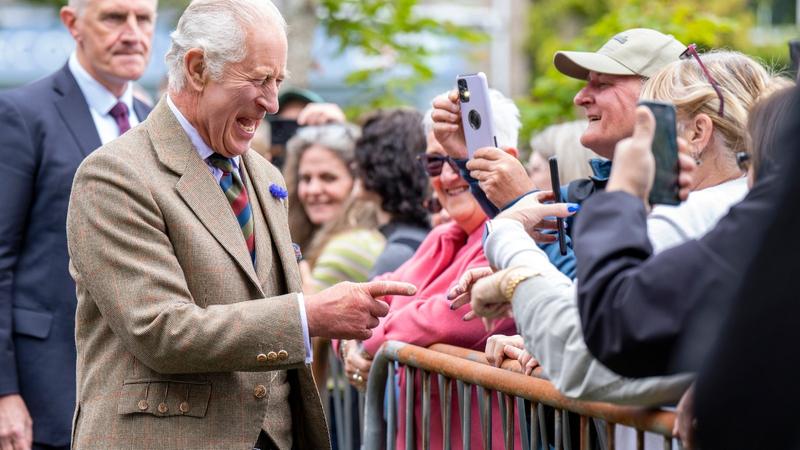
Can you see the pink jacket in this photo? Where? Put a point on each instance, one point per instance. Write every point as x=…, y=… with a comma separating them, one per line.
x=427, y=319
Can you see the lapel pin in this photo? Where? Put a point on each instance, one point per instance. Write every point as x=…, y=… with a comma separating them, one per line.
x=297, y=253
x=278, y=191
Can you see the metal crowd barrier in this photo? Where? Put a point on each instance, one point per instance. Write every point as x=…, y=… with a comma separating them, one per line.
x=342, y=398
x=515, y=390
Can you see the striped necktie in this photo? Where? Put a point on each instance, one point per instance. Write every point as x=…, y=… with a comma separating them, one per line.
x=234, y=190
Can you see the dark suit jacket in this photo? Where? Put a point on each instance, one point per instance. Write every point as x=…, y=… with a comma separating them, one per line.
x=46, y=130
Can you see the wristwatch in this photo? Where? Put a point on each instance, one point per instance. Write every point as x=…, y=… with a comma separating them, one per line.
x=512, y=278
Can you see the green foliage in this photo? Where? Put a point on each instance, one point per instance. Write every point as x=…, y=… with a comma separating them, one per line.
x=384, y=29
x=586, y=26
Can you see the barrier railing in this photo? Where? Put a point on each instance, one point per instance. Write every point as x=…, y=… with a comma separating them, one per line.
x=529, y=395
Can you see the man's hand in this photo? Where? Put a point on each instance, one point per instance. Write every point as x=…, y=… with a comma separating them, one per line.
x=500, y=174
x=531, y=213
x=447, y=127
x=634, y=167
x=357, y=364
x=16, y=426
x=350, y=310
x=320, y=114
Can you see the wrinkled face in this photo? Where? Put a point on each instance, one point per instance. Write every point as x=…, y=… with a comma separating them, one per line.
x=453, y=192
x=540, y=172
x=229, y=110
x=324, y=184
x=609, y=102
x=113, y=38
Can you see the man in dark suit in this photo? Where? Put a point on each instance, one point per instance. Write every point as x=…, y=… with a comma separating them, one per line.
x=46, y=129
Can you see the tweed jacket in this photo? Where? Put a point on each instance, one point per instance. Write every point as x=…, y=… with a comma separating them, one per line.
x=180, y=338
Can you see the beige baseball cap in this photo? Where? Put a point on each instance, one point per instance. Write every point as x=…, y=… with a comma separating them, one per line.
x=638, y=51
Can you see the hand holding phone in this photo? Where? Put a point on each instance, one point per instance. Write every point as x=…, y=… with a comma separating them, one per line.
x=665, y=152
x=556, y=184
x=476, y=112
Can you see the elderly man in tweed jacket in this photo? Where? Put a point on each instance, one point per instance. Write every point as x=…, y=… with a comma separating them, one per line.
x=191, y=329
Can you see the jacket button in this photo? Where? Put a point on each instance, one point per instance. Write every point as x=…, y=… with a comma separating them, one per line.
x=184, y=407
x=283, y=355
x=163, y=408
x=142, y=405
x=260, y=391
x=261, y=357
x=272, y=356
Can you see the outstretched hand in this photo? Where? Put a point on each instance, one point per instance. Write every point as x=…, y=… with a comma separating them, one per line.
x=531, y=213
x=351, y=310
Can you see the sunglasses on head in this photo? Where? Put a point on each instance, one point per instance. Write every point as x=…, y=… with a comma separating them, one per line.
x=433, y=164
x=691, y=52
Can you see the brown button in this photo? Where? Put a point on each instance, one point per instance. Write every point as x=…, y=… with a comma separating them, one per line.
x=184, y=407
x=143, y=405
x=272, y=356
x=261, y=357
x=283, y=355
x=260, y=391
x=163, y=408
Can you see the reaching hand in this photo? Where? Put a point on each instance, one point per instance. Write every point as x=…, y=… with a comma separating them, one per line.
x=357, y=364
x=16, y=426
x=460, y=294
x=500, y=174
x=634, y=167
x=531, y=213
x=350, y=310
x=447, y=127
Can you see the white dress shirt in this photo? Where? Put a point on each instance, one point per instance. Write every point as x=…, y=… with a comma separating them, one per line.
x=205, y=151
x=101, y=100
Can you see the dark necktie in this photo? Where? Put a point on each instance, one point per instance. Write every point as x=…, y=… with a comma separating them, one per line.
x=120, y=113
x=234, y=190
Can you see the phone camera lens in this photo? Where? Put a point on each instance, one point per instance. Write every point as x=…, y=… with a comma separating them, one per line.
x=474, y=119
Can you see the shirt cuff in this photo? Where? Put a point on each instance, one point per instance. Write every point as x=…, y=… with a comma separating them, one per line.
x=304, y=323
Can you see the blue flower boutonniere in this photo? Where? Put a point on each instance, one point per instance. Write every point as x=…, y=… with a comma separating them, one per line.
x=278, y=191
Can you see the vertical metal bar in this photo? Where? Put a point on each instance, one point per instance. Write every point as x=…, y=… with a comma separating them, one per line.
x=509, y=429
x=543, y=427
x=391, y=409
x=566, y=433
x=611, y=436
x=639, y=440
x=460, y=392
x=667, y=443
x=533, y=413
x=524, y=434
x=410, y=377
x=486, y=413
x=584, y=445
x=447, y=422
x=557, y=433
x=360, y=418
x=426, y=410
x=338, y=380
x=466, y=420
x=347, y=417
x=501, y=402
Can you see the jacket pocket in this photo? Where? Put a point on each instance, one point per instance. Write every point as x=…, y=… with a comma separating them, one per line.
x=164, y=398
x=32, y=323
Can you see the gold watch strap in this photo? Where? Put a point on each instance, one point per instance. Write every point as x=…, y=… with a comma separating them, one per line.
x=513, y=278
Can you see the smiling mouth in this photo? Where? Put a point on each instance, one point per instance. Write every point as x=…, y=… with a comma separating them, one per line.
x=249, y=126
x=593, y=118
x=452, y=192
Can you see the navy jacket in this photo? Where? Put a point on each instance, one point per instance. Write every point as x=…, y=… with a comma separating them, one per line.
x=46, y=130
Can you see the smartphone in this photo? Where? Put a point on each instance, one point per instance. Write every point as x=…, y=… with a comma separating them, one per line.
x=556, y=184
x=476, y=111
x=282, y=129
x=665, y=151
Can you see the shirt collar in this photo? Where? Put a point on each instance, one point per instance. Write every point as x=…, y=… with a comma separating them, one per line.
x=200, y=145
x=99, y=99
x=601, y=168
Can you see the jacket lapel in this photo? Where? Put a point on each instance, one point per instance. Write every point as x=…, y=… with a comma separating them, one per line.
x=75, y=112
x=197, y=186
x=141, y=109
x=277, y=220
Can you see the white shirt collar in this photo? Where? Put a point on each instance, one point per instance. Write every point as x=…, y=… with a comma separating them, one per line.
x=99, y=99
x=199, y=144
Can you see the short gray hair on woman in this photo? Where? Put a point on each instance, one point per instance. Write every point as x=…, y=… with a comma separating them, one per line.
x=505, y=119
x=219, y=28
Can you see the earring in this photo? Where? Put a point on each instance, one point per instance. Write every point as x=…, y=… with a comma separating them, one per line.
x=697, y=157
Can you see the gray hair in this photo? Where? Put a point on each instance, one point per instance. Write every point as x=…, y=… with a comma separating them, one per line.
x=564, y=142
x=219, y=28
x=505, y=119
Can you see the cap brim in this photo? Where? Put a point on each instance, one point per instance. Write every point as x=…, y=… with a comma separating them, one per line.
x=579, y=64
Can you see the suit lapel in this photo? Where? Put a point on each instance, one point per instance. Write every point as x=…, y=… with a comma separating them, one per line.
x=197, y=186
x=75, y=112
x=275, y=213
x=141, y=109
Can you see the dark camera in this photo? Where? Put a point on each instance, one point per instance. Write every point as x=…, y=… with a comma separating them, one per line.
x=474, y=119
x=463, y=91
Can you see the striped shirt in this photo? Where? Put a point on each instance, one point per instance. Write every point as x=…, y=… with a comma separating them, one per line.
x=348, y=256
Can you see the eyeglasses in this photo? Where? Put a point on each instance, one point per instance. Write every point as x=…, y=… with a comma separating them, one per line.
x=433, y=164
x=691, y=51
